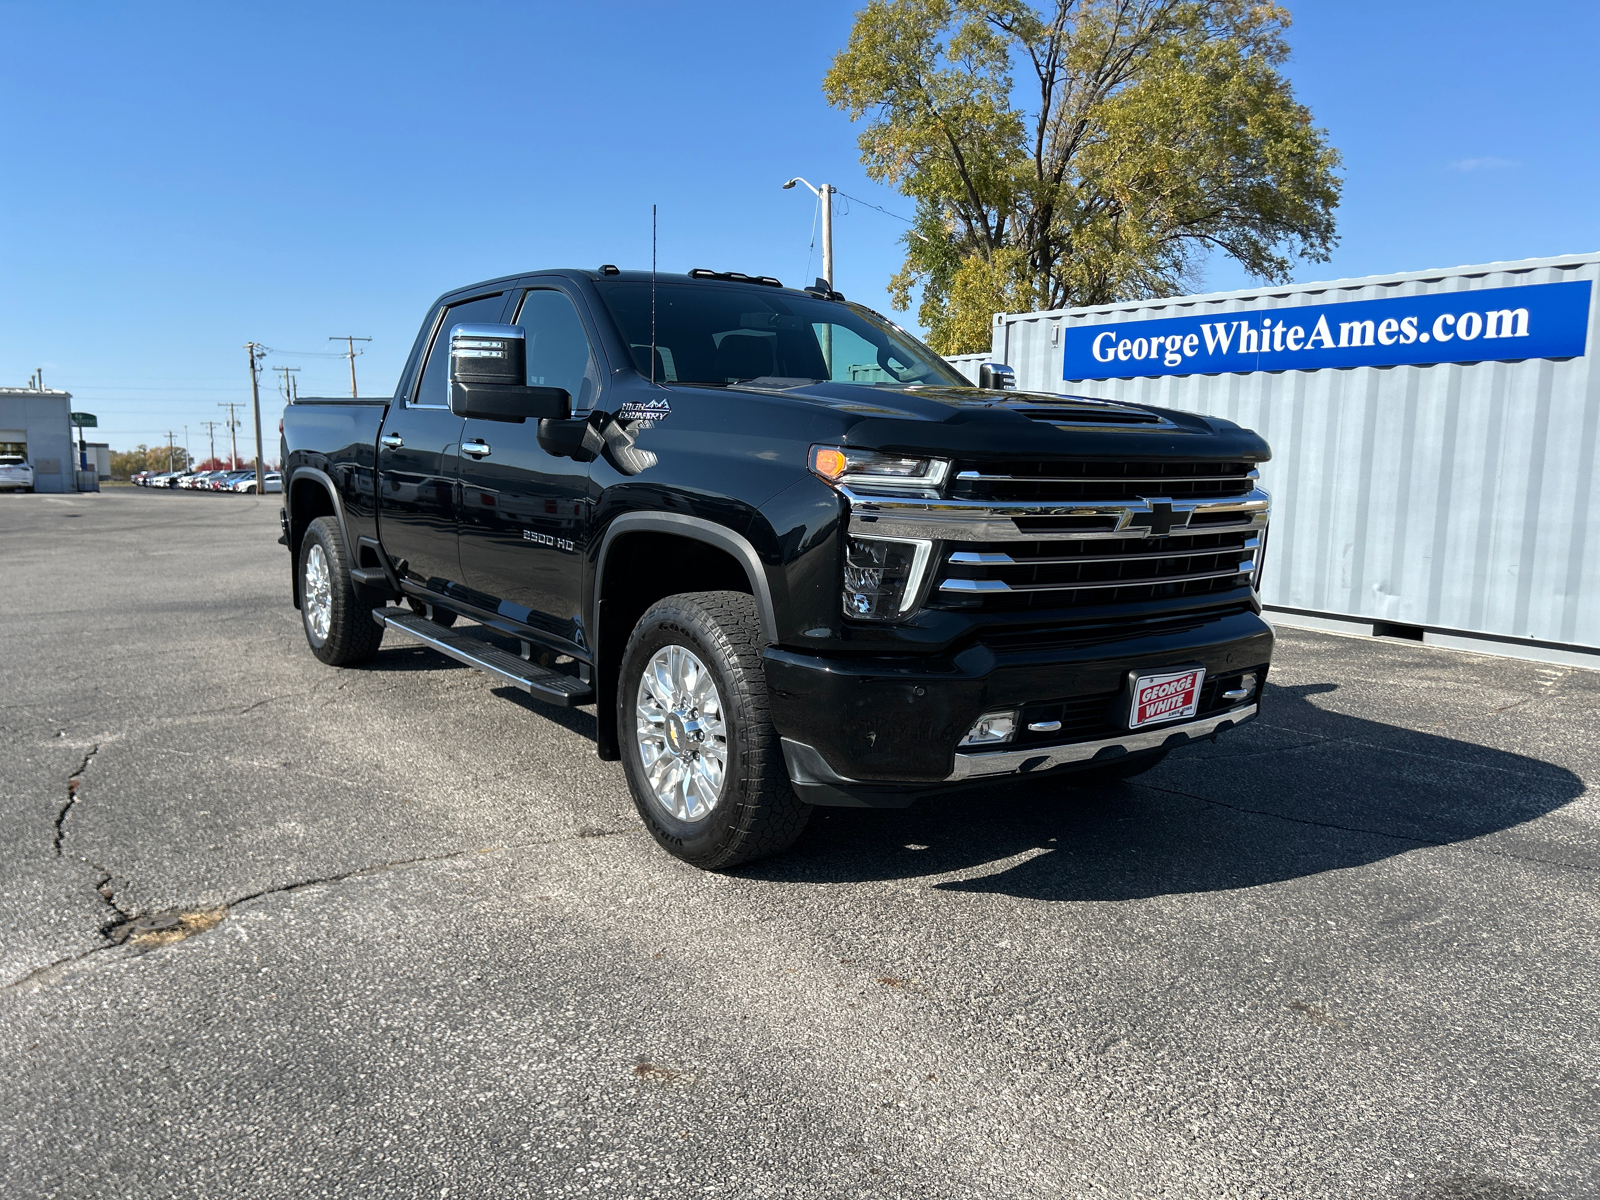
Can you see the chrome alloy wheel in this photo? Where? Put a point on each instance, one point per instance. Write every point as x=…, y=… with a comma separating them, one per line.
x=683, y=739
x=318, y=593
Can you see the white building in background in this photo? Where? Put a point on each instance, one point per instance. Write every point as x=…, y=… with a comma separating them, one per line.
x=1435, y=438
x=37, y=423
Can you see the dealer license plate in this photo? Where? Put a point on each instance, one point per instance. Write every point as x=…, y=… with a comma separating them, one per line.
x=1169, y=696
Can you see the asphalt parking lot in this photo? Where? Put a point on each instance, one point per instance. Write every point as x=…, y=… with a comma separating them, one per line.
x=424, y=948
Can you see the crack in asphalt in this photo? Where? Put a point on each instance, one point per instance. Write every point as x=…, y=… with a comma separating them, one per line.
x=340, y=877
x=73, y=781
x=54, y=970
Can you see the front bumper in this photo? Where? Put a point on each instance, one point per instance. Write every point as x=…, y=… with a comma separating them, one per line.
x=869, y=724
x=1045, y=758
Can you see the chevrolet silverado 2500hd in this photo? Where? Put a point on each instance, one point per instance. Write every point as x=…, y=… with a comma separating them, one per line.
x=791, y=556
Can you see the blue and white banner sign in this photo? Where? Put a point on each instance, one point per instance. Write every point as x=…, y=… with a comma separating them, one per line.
x=1537, y=320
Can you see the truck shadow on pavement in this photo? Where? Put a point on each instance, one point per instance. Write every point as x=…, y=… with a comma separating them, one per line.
x=1297, y=792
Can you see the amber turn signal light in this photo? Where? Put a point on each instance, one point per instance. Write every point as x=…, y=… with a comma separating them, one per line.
x=828, y=462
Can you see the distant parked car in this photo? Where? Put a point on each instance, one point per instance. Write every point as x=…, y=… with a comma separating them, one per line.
x=271, y=482
x=16, y=475
x=223, y=481
x=138, y=478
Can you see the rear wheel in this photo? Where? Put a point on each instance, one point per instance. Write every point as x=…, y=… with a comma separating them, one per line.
x=699, y=749
x=339, y=627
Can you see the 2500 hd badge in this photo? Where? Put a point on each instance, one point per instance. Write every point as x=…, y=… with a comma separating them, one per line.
x=544, y=539
x=839, y=574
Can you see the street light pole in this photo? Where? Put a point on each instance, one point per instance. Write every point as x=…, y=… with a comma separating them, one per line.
x=824, y=193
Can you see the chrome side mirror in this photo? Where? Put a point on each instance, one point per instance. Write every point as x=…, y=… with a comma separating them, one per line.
x=997, y=377
x=489, y=377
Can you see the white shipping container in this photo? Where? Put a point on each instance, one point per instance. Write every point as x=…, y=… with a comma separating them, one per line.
x=1454, y=498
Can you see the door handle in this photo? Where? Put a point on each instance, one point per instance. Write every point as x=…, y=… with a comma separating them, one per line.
x=391, y=441
x=476, y=448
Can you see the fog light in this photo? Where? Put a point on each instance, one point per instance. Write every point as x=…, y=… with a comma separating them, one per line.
x=992, y=729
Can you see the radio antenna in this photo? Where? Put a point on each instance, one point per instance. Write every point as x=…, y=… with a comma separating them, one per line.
x=652, y=293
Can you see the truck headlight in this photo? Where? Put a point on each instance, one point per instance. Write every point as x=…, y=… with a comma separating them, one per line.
x=875, y=471
x=883, y=576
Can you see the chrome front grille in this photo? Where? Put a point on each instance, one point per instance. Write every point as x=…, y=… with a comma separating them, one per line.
x=1091, y=572
x=1080, y=535
x=1055, y=481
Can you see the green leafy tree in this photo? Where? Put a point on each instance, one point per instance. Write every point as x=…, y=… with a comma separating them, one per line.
x=125, y=463
x=1095, y=152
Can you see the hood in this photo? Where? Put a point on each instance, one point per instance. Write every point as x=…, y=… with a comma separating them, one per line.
x=967, y=420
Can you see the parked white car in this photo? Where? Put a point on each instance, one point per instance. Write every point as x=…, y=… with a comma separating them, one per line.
x=17, y=476
x=271, y=482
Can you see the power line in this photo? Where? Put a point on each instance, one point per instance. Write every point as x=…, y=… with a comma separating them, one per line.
x=879, y=207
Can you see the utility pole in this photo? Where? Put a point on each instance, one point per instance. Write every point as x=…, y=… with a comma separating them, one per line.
x=189, y=457
x=289, y=392
x=169, y=450
x=233, y=426
x=257, y=353
x=351, y=353
x=824, y=193
x=211, y=428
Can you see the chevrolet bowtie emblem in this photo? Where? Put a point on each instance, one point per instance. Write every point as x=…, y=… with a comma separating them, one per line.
x=1160, y=520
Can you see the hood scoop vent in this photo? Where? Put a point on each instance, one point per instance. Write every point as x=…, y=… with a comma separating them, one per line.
x=1083, y=412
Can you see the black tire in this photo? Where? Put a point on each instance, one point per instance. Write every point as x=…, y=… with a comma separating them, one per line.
x=1116, y=772
x=352, y=635
x=756, y=813
x=441, y=616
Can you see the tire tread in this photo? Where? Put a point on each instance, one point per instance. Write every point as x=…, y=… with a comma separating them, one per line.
x=771, y=816
x=353, y=636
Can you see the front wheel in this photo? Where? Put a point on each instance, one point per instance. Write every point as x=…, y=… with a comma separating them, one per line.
x=699, y=749
x=338, y=626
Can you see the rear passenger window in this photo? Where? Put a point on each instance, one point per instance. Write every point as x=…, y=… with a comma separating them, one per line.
x=434, y=391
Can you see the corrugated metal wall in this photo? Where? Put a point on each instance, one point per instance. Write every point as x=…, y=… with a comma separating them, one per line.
x=968, y=364
x=1454, y=497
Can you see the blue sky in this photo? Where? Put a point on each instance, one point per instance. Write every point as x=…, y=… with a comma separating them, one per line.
x=183, y=178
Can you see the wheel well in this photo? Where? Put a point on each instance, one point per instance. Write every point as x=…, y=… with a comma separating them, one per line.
x=641, y=568
x=308, y=500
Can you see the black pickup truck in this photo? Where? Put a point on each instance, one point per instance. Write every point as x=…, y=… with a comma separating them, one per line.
x=787, y=551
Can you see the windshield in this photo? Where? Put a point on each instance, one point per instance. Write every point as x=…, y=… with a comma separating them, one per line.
x=714, y=334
